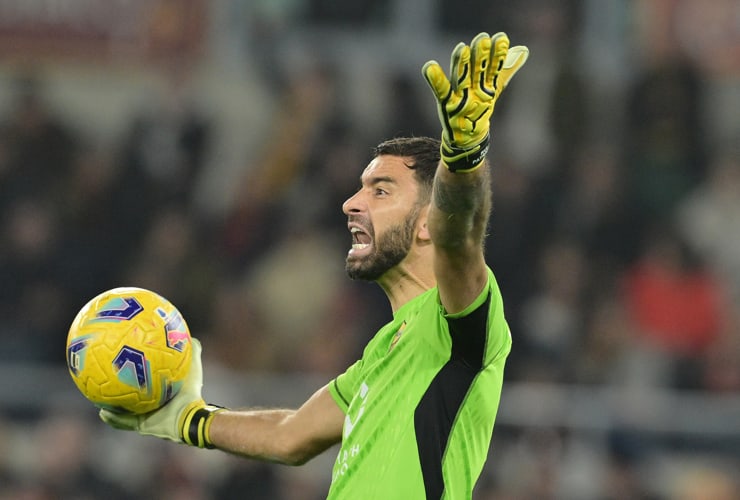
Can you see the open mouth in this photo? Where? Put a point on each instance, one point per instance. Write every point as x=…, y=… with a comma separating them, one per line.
x=360, y=240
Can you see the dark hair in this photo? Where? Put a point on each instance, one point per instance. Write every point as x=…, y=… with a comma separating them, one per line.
x=424, y=155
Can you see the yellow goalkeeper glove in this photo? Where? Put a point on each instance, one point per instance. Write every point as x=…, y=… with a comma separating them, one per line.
x=478, y=73
x=186, y=418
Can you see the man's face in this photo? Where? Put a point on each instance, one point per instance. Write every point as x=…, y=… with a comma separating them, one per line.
x=382, y=217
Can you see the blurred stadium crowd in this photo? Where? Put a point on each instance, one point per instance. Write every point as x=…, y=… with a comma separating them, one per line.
x=615, y=234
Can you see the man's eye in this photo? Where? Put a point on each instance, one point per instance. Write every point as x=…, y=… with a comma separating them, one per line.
x=380, y=192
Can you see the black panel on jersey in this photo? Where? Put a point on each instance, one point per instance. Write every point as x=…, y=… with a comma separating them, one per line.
x=436, y=412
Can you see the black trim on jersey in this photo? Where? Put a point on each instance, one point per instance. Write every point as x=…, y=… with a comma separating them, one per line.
x=339, y=393
x=438, y=408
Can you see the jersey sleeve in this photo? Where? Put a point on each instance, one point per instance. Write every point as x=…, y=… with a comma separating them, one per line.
x=344, y=386
x=479, y=301
x=479, y=332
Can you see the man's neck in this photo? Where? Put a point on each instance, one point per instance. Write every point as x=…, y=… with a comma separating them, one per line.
x=402, y=284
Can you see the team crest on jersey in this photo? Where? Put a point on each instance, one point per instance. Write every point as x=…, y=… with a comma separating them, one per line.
x=397, y=336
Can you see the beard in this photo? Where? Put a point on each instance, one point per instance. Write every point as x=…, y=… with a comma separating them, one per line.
x=389, y=249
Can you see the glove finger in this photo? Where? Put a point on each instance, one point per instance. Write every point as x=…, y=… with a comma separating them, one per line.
x=437, y=80
x=515, y=59
x=119, y=420
x=193, y=383
x=197, y=348
x=196, y=363
x=480, y=52
x=460, y=67
x=499, y=52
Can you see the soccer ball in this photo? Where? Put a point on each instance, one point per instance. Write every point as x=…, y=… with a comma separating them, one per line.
x=129, y=350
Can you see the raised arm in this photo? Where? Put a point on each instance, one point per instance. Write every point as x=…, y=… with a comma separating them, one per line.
x=461, y=199
x=285, y=436
x=457, y=223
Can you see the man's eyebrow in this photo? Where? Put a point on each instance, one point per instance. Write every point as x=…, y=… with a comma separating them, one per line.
x=372, y=181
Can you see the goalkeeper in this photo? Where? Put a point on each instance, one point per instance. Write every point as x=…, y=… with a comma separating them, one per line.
x=415, y=414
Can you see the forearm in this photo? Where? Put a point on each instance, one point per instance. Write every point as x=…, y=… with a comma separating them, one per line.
x=250, y=433
x=279, y=435
x=461, y=203
x=457, y=222
x=259, y=434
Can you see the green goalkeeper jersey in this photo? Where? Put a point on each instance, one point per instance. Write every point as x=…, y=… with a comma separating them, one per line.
x=421, y=403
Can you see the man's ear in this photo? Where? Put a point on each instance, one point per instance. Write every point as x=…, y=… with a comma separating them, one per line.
x=422, y=229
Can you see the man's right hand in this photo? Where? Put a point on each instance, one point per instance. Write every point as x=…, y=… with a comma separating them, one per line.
x=184, y=419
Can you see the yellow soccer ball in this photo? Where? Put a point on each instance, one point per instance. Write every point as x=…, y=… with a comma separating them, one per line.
x=129, y=350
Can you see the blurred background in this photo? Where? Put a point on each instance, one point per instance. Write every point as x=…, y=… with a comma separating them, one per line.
x=203, y=149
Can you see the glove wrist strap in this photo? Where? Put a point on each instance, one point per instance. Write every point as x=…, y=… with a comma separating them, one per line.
x=196, y=425
x=459, y=160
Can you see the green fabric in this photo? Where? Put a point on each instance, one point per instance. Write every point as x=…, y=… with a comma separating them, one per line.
x=379, y=393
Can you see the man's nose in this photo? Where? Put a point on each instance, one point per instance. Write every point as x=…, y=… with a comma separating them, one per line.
x=353, y=204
